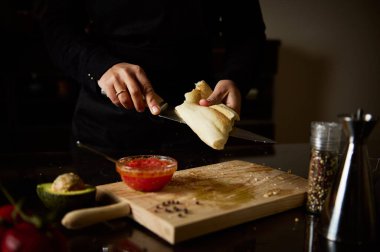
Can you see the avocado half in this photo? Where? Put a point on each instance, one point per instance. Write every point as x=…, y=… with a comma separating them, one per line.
x=63, y=202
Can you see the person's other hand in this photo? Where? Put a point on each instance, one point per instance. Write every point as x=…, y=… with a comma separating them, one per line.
x=225, y=92
x=127, y=86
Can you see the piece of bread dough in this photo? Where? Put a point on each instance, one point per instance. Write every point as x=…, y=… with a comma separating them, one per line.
x=212, y=124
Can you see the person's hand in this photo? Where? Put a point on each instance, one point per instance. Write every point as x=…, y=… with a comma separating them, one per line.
x=225, y=92
x=127, y=86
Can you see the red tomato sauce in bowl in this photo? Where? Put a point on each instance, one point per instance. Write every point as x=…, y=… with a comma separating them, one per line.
x=146, y=173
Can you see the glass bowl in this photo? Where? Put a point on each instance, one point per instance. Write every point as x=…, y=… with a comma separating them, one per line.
x=147, y=173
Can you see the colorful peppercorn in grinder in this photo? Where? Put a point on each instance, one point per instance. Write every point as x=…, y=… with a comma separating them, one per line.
x=349, y=214
x=325, y=144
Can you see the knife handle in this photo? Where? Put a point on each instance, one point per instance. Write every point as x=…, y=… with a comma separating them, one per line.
x=88, y=216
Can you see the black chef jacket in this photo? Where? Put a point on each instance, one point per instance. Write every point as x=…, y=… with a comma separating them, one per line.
x=170, y=39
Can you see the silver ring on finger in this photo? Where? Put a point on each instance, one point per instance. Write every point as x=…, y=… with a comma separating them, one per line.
x=120, y=92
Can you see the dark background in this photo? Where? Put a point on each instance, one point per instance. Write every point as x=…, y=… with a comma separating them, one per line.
x=37, y=100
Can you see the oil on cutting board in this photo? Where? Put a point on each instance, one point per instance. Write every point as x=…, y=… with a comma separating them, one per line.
x=209, y=198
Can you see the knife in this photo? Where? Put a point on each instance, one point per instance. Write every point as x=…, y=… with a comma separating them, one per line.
x=168, y=112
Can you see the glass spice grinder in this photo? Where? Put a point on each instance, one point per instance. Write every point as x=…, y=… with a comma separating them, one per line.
x=349, y=213
x=324, y=157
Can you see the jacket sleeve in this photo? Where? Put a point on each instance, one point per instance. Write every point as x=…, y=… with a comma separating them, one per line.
x=243, y=33
x=71, y=48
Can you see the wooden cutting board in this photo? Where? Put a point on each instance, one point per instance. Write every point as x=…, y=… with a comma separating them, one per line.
x=209, y=198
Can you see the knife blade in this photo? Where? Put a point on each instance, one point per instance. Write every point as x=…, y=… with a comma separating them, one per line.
x=168, y=112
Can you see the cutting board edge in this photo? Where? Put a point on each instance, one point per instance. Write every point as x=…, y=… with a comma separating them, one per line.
x=215, y=224
x=160, y=226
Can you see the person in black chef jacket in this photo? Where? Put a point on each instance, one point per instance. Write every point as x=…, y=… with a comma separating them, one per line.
x=127, y=54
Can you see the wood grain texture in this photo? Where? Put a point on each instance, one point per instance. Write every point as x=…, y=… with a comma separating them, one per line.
x=209, y=198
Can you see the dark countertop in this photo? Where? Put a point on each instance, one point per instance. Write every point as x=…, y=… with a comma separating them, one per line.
x=287, y=231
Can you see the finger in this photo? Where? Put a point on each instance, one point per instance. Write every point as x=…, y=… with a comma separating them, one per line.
x=106, y=86
x=109, y=87
x=205, y=102
x=135, y=88
x=121, y=97
x=125, y=99
x=113, y=86
x=233, y=101
x=153, y=101
x=216, y=97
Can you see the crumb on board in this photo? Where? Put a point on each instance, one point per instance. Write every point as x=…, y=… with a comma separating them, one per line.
x=271, y=193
